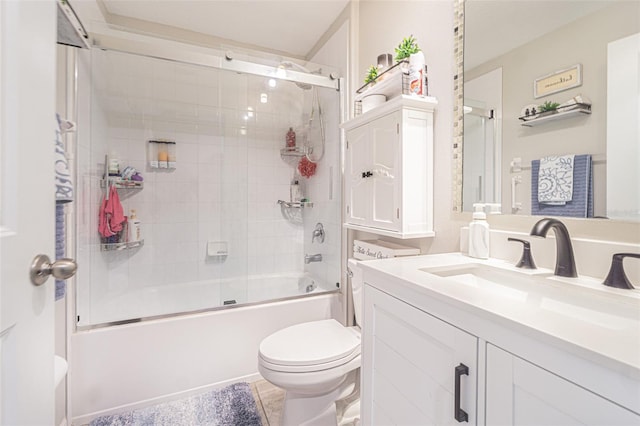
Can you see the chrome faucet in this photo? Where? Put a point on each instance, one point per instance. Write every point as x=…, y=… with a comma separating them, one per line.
x=565, y=261
x=308, y=258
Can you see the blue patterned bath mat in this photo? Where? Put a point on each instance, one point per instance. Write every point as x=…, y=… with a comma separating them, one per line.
x=233, y=405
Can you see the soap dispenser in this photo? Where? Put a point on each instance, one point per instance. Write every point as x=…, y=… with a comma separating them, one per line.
x=479, y=233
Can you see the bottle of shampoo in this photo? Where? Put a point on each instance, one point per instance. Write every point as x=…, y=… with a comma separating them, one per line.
x=479, y=236
x=135, y=233
x=295, y=192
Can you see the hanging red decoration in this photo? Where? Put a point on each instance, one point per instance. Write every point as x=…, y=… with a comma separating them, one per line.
x=307, y=168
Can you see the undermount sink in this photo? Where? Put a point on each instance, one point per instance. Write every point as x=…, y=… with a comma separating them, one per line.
x=578, y=298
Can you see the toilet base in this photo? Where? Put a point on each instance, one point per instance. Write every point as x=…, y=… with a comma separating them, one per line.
x=320, y=410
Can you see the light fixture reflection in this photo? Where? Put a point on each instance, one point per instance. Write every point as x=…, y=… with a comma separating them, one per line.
x=272, y=82
x=264, y=98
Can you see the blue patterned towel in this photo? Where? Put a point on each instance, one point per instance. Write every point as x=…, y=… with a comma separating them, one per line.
x=581, y=204
x=555, y=180
x=63, y=182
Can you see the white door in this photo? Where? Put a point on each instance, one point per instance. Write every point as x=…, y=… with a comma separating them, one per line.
x=521, y=393
x=27, y=95
x=413, y=366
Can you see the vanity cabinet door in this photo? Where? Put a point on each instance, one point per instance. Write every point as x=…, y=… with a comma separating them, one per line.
x=521, y=393
x=409, y=365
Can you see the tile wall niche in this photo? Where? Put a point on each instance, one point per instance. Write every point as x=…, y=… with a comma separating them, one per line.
x=228, y=179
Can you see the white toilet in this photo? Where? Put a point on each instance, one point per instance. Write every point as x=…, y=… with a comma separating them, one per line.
x=316, y=363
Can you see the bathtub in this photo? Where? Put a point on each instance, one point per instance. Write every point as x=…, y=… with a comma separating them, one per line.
x=156, y=301
x=133, y=365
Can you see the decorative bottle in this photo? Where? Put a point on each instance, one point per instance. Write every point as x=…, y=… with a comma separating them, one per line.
x=291, y=138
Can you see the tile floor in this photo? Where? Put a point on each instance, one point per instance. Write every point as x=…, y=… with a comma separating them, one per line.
x=270, y=398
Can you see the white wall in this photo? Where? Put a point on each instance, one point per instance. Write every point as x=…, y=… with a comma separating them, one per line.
x=383, y=25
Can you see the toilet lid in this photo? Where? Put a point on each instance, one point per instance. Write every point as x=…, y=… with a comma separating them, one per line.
x=310, y=343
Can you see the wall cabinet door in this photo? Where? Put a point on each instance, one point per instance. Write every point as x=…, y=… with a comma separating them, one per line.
x=409, y=365
x=521, y=393
x=371, y=170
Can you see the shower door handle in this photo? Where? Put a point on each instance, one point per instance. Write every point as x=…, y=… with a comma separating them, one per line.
x=42, y=267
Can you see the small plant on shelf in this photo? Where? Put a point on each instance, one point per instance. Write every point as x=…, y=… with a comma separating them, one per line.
x=406, y=48
x=548, y=106
x=372, y=74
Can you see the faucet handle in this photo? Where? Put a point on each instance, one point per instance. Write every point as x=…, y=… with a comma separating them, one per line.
x=526, y=261
x=617, y=278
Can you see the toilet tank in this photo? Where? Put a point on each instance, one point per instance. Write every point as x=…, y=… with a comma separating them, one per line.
x=357, y=284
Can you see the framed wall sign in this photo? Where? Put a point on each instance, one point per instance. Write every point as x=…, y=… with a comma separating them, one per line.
x=558, y=81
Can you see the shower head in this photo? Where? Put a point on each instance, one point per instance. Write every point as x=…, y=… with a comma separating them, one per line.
x=292, y=65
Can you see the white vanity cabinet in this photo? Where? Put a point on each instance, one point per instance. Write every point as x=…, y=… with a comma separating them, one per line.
x=389, y=169
x=525, y=364
x=413, y=366
x=521, y=393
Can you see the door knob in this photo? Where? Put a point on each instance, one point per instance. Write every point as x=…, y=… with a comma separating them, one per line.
x=41, y=268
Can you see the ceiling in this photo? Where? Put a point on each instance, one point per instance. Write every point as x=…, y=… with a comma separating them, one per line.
x=290, y=27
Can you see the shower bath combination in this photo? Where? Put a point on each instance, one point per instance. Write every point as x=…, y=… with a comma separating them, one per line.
x=224, y=199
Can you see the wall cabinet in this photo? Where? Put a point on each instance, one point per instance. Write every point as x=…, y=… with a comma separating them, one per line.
x=389, y=169
x=414, y=365
x=411, y=371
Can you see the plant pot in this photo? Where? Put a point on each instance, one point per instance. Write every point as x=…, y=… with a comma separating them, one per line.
x=372, y=101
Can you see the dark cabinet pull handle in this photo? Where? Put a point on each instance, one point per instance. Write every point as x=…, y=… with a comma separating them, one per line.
x=458, y=413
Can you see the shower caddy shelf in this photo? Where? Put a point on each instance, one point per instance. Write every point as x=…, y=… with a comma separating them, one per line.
x=122, y=184
x=295, y=151
x=295, y=204
x=121, y=246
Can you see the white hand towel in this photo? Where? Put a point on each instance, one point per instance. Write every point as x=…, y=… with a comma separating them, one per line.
x=555, y=180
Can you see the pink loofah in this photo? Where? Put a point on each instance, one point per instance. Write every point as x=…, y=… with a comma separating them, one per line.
x=307, y=168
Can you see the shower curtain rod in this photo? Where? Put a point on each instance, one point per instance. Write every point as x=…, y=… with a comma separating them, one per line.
x=152, y=50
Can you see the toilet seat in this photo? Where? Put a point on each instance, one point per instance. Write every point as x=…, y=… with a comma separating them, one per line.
x=311, y=346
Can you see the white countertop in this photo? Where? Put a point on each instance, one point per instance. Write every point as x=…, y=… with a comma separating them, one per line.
x=582, y=316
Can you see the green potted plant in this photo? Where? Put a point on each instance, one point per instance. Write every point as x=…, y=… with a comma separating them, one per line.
x=372, y=74
x=548, y=108
x=406, y=48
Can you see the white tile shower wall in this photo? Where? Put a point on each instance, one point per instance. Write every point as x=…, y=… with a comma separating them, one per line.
x=228, y=179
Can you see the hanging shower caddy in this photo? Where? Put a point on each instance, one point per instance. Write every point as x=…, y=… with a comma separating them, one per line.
x=117, y=182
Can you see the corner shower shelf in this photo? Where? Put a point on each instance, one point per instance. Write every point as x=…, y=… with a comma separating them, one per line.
x=295, y=204
x=122, y=184
x=559, y=114
x=295, y=151
x=121, y=246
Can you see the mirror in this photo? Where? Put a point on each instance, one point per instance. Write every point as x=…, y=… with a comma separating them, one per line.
x=583, y=55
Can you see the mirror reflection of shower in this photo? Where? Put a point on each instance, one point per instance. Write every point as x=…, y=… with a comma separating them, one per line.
x=482, y=147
